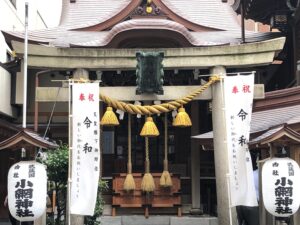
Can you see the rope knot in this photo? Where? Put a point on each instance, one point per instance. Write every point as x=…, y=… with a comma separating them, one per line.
x=214, y=78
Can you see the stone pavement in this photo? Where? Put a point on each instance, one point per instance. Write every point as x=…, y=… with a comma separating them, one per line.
x=4, y=222
x=158, y=220
x=152, y=220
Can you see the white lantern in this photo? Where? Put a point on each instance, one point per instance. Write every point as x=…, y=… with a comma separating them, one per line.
x=27, y=190
x=281, y=186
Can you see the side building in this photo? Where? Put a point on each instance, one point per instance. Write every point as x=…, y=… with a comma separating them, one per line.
x=12, y=18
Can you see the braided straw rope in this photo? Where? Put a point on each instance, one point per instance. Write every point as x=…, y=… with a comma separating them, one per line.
x=147, y=169
x=129, y=164
x=166, y=143
x=161, y=108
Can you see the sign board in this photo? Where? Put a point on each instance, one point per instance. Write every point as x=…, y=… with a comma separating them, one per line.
x=27, y=190
x=281, y=186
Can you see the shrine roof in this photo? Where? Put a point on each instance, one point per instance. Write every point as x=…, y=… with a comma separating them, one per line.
x=85, y=13
x=263, y=120
x=207, y=13
x=282, y=134
x=27, y=137
x=61, y=37
x=96, y=23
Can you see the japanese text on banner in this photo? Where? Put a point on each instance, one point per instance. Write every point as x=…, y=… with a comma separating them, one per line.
x=238, y=94
x=86, y=152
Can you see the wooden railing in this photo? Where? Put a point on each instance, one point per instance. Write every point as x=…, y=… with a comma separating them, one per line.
x=161, y=197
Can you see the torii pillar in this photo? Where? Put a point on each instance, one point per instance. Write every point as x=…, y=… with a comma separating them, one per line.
x=220, y=150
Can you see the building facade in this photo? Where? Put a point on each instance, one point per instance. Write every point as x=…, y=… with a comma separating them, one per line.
x=12, y=18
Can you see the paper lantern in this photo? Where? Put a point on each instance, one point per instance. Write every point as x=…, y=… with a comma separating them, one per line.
x=27, y=190
x=281, y=186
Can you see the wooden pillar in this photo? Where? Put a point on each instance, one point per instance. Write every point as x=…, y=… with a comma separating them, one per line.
x=36, y=106
x=220, y=151
x=195, y=161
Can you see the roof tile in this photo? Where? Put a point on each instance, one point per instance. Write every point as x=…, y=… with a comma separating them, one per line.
x=208, y=13
x=86, y=13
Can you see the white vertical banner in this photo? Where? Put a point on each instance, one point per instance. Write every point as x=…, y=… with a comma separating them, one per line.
x=238, y=95
x=86, y=151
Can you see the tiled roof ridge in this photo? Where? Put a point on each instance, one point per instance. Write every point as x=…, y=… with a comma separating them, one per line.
x=85, y=14
x=31, y=137
x=282, y=92
x=285, y=118
x=226, y=20
x=279, y=98
x=142, y=23
x=67, y=35
x=275, y=133
x=58, y=37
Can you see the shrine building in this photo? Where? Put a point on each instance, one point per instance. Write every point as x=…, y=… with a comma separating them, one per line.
x=100, y=41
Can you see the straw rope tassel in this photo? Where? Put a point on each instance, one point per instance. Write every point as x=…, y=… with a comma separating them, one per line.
x=148, y=184
x=109, y=118
x=129, y=184
x=165, y=179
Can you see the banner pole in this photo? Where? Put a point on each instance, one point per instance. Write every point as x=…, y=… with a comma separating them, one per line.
x=70, y=156
x=229, y=197
x=25, y=67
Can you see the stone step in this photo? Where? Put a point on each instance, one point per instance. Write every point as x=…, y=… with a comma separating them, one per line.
x=4, y=222
x=158, y=220
x=139, y=211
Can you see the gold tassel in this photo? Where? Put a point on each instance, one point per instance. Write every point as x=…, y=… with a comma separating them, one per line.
x=182, y=119
x=129, y=184
x=148, y=184
x=165, y=179
x=109, y=118
x=149, y=129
